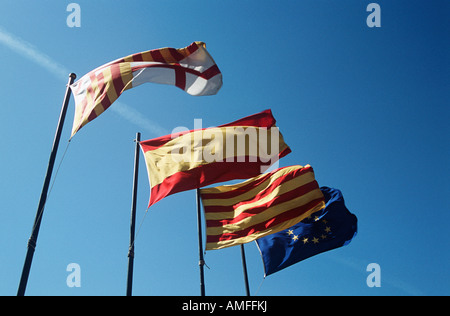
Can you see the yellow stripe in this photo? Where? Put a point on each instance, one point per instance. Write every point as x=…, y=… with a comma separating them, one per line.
x=232, y=187
x=93, y=102
x=110, y=91
x=128, y=59
x=183, y=51
x=206, y=146
x=299, y=180
x=167, y=55
x=147, y=56
x=127, y=76
x=93, y=98
x=286, y=187
x=76, y=120
x=275, y=229
x=77, y=117
x=267, y=214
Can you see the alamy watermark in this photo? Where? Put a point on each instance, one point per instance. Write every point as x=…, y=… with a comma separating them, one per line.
x=74, y=277
x=374, y=277
x=226, y=144
x=74, y=18
x=374, y=18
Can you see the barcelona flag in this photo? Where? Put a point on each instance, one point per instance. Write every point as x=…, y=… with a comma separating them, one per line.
x=331, y=227
x=191, y=69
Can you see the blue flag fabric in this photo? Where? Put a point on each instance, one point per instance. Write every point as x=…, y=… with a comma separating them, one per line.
x=332, y=227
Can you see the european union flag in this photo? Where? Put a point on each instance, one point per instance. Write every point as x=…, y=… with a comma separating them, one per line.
x=332, y=227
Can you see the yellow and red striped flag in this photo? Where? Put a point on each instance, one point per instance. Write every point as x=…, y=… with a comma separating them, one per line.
x=191, y=68
x=269, y=203
x=197, y=158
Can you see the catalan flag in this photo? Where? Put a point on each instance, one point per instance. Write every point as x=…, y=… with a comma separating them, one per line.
x=191, y=69
x=329, y=228
x=240, y=213
x=197, y=158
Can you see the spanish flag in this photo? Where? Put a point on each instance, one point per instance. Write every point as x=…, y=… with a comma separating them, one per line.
x=197, y=158
x=191, y=69
x=269, y=203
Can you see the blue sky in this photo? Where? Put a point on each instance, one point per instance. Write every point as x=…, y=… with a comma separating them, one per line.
x=366, y=107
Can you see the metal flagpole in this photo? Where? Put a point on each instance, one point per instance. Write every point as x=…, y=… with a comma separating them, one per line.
x=133, y=217
x=244, y=267
x=201, y=261
x=40, y=210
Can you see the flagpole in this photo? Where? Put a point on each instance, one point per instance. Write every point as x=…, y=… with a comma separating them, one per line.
x=244, y=267
x=133, y=217
x=201, y=261
x=40, y=210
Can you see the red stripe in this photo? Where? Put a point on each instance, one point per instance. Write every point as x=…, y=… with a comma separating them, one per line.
x=205, y=75
x=90, y=90
x=302, y=190
x=102, y=93
x=192, y=48
x=262, y=119
x=180, y=78
x=117, y=79
x=291, y=214
x=155, y=143
x=156, y=55
x=175, y=54
x=253, y=184
x=105, y=102
x=210, y=72
x=90, y=96
x=92, y=115
x=202, y=176
x=138, y=57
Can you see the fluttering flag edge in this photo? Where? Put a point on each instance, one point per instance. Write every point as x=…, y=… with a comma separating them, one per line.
x=110, y=86
x=345, y=241
x=310, y=201
x=263, y=119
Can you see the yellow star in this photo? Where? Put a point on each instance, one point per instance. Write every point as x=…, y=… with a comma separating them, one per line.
x=305, y=240
x=316, y=218
x=290, y=232
x=324, y=221
x=323, y=236
x=315, y=240
x=327, y=229
x=295, y=238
